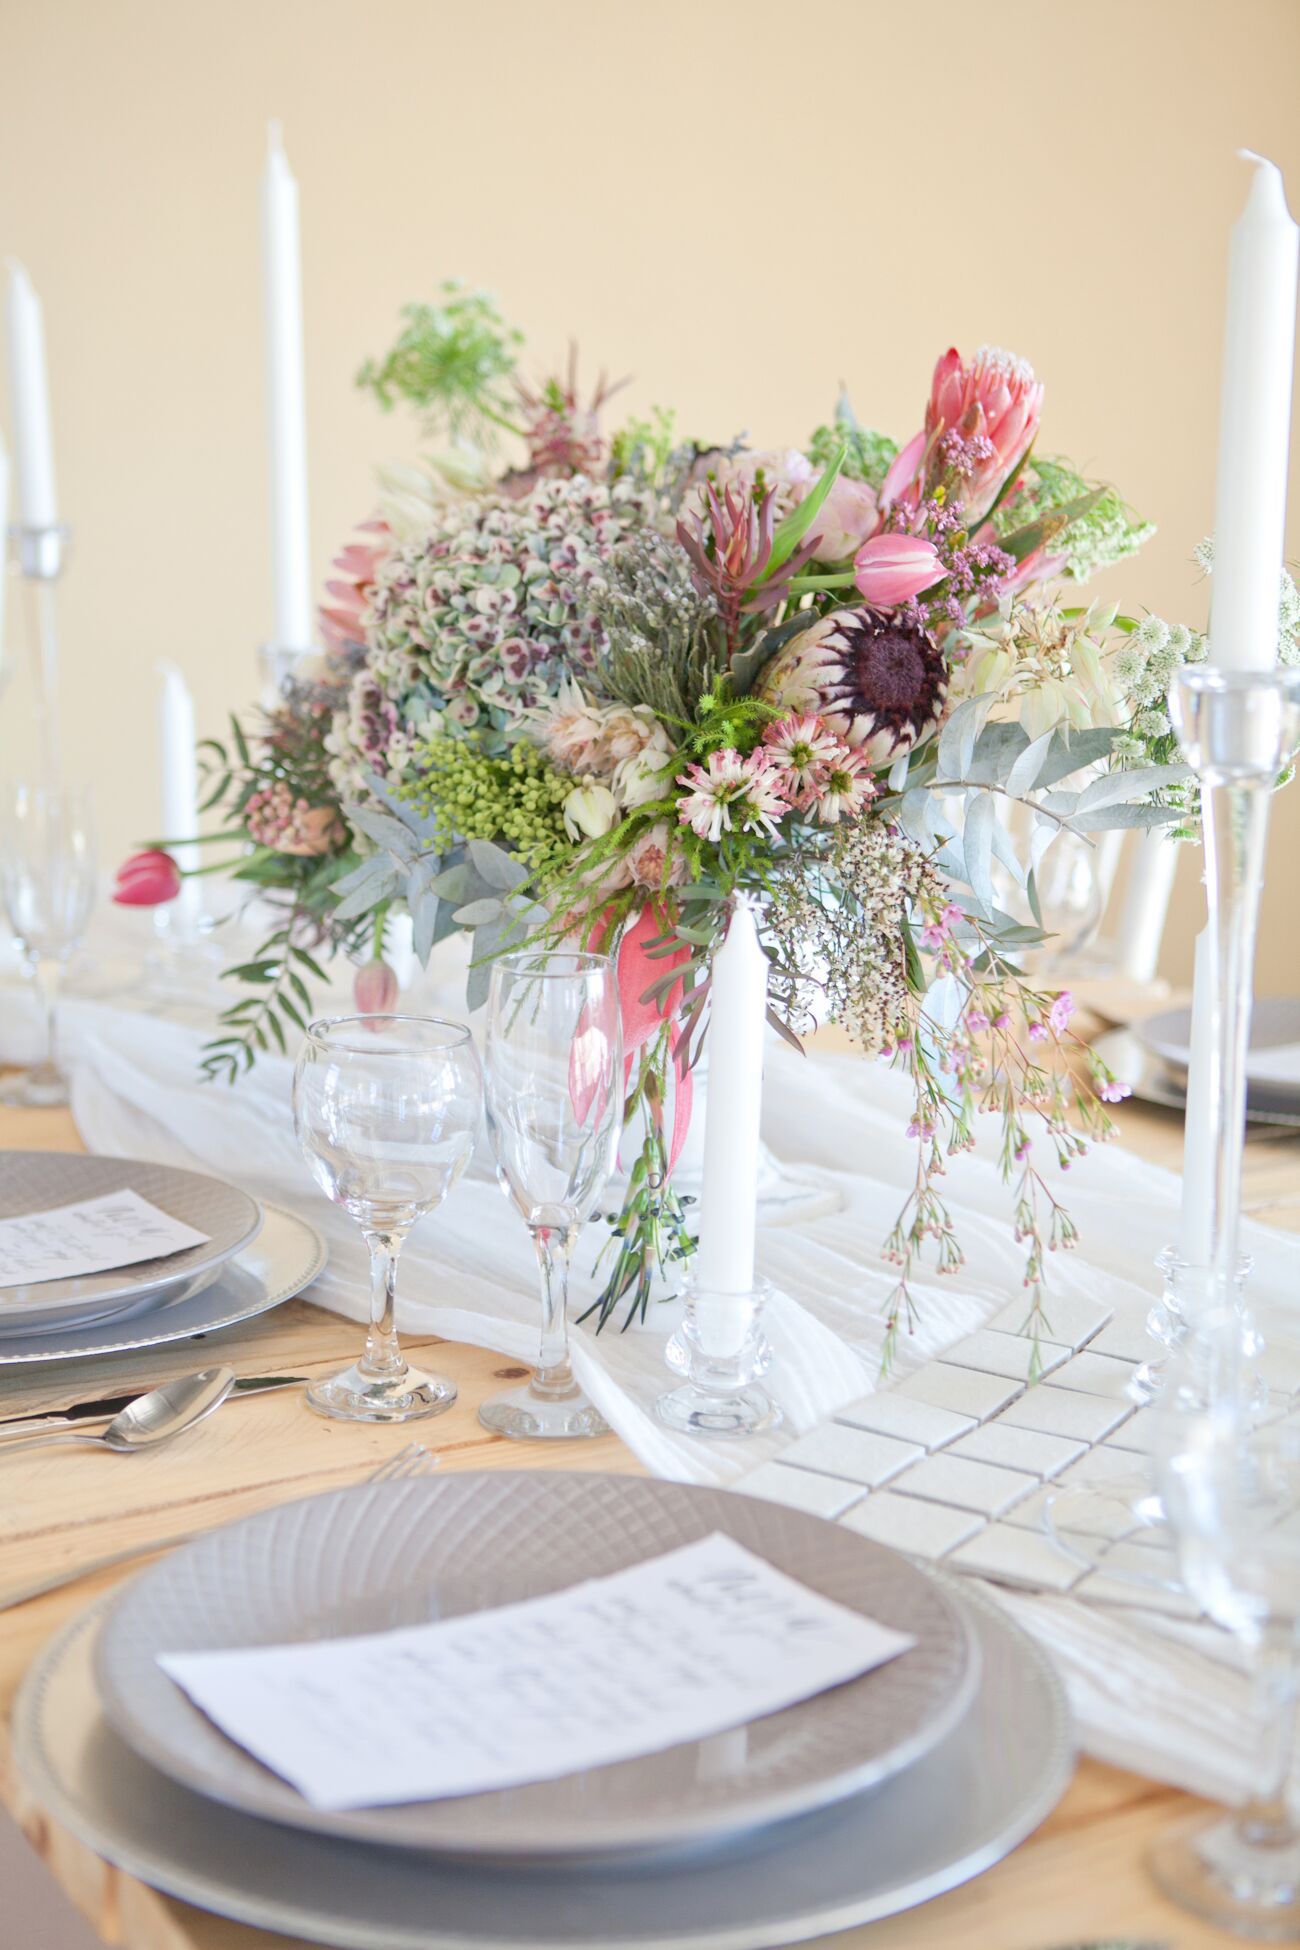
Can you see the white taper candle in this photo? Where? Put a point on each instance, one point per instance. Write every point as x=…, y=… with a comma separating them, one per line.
x=29, y=400
x=729, y=1185
x=179, y=781
x=1254, y=427
x=1146, y=905
x=286, y=402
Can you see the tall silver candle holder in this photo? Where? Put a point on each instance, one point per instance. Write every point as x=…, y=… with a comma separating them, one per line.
x=1238, y=729
x=42, y=553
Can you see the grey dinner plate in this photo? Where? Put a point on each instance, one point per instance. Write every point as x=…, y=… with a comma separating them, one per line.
x=36, y=1181
x=1271, y=1079
x=287, y=1255
x=952, y=1815
x=380, y=1556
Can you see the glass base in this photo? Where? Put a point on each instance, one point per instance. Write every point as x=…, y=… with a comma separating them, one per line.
x=524, y=1413
x=697, y=1411
x=40, y=1088
x=1251, y=1887
x=355, y=1396
x=1118, y=1527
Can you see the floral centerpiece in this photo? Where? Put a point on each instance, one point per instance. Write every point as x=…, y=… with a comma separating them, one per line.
x=596, y=692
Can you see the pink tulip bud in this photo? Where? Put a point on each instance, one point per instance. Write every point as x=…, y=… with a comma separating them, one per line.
x=891, y=568
x=147, y=879
x=375, y=989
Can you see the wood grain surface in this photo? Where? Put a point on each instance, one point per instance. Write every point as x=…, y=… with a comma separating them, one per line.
x=1080, y=1877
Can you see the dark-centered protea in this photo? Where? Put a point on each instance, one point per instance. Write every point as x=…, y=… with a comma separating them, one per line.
x=876, y=679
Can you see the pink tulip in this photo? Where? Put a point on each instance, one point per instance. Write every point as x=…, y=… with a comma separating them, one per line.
x=147, y=879
x=375, y=989
x=891, y=568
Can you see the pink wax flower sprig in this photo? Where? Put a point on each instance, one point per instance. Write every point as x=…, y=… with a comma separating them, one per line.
x=988, y=1065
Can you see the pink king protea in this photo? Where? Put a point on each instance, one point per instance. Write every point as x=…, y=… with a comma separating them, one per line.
x=877, y=680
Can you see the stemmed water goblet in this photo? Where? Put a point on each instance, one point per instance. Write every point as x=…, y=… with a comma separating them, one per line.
x=554, y=1077
x=47, y=879
x=1231, y=1492
x=387, y=1109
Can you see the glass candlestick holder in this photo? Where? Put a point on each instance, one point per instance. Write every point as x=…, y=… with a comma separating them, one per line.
x=1238, y=730
x=720, y=1351
x=1185, y=1296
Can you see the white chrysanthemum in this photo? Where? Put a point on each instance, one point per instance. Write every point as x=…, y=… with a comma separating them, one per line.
x=1203, y=555
x=1151, y=724
x=1128, y=751
x=1153, y=633
x=1197, y=650
x=1180, y=639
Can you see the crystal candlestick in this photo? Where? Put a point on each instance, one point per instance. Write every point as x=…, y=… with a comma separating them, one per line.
x=720, y=1352
x=1238, y=729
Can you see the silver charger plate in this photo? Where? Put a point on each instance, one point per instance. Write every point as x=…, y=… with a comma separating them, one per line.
x=380, y=1556
x=1152, y=1082
x=968, y=1803
x=1274, y=1025
x=36, y=1181
x=287, y=1255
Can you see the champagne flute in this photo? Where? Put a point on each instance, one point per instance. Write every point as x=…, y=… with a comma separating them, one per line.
x=387, y=1109
x=554, y=1075
x=1231, y=1491
x=47, y=880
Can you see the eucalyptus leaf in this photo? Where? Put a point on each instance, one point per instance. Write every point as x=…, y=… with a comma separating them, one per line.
x=1073, y=750
x=1118, y=787
x=958, y=738
x=424, y=924
x=977, y=846
x=382, y=828
x=480, y=913
x=1023, y=775
x=996, y=750
x=1110, y=819
x=497, y=867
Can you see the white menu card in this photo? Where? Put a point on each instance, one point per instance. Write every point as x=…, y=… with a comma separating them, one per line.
x=92, y=1236
x=679, y=1647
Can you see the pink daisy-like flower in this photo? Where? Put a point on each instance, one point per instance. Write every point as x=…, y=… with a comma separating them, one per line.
x=805, y=748
x=730, y=791
x=845, y=790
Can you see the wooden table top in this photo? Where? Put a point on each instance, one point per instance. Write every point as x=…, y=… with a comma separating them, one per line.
x=1080, y=1877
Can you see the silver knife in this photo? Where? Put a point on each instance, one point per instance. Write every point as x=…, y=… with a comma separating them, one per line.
x=109, y=1405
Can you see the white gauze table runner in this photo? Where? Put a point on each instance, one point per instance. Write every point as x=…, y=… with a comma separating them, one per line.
x=1165, y=1699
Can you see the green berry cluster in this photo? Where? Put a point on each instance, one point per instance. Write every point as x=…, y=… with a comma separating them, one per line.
x=516, y=799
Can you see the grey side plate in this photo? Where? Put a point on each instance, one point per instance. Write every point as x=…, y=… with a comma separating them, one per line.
x=1152, y=1082
x=379, y=1556
x=951, y=1816
x=36, y=1181
x=287, y=1255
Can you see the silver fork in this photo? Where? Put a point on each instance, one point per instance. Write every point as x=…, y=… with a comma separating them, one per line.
x=414, y=1460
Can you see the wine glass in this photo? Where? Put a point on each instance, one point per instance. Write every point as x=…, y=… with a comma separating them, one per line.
x=387, y=1109
x=47, y=879
x=554, y=1072
x=1231, y=1491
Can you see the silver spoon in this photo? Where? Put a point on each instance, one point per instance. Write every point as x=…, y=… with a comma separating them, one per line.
x=150, y=1419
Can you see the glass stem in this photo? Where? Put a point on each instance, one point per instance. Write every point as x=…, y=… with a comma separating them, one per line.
x=1265, y=1822
x=383, y=1357
x=554, y=1247
x=46, y=972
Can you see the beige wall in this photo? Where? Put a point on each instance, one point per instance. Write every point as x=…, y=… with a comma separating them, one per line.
x=738, y=201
